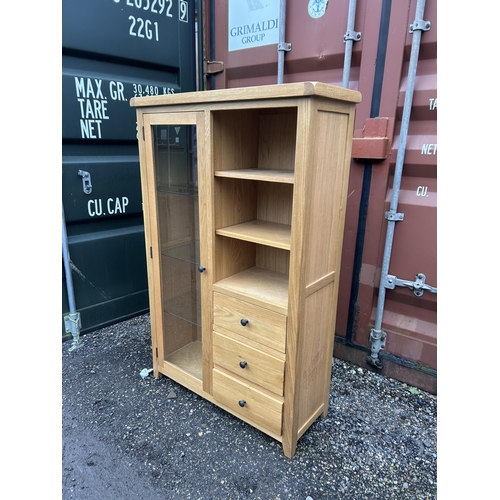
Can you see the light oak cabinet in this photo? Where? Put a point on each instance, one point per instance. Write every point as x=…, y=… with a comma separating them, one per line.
x=244, y=195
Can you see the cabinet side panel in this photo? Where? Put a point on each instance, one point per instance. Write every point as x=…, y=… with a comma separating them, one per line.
x=326, y=213
x=315, y=356
x=295, y=320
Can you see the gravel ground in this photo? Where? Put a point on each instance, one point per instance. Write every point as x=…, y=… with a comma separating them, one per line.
x=127, y=437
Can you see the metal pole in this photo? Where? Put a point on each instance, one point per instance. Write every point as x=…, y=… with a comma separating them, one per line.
x=281, y=41
x=377, y=336
x=349, y=38
x=72, y=320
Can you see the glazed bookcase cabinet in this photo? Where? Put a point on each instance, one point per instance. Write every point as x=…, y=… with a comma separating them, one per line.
x=244, y=195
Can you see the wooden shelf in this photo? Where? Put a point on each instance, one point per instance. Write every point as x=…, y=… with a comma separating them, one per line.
x=282, y=176
x=180, y=190
x=258, y=286
x=261, y=232
x=189, y=359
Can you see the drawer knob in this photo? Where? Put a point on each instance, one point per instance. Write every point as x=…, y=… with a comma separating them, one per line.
x=244, y=322
x=201, y=268
x=243, y=364
x=242, y=402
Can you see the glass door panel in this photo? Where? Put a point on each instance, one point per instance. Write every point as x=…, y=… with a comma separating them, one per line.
x=176, y=177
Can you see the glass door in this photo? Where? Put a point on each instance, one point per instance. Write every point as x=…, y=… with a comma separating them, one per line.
x=175, y=160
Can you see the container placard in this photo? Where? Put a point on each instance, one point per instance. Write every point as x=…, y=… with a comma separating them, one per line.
x=252, y=23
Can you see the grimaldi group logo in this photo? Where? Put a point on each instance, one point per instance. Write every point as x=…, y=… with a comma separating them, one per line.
x=252, y=23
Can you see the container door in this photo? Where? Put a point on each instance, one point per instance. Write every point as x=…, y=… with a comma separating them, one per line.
x=245, y=53
x=409, y=319
x=113, y=51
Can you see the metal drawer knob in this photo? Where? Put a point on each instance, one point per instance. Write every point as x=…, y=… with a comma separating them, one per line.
x=244, y=322
x=201, y=268
x=242, y=402
x=243, y=364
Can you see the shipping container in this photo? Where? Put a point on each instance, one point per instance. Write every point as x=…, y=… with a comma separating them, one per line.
x=387, y=310
x=112, y=51
x=387, y=50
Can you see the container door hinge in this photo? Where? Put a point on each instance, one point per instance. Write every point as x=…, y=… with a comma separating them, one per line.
x=377, y=340
x=73, y=324
x=143, y=134
x=156, y=350
x=213, y=67
x=151, y=252
x=418, y=286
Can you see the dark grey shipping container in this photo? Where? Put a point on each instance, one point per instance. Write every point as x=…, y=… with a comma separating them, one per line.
x=113, y=51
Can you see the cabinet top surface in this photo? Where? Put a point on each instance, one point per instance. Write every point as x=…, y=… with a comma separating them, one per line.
x=283, y=90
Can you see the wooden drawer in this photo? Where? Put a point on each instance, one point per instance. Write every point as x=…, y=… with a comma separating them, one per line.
x=249, y=363
x=263, y=326
x=246, y=400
